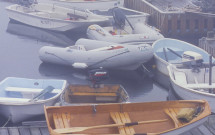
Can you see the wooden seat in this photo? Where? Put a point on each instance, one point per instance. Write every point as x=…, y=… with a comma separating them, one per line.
x=119, y=118
x=92, y=94
x=61, y=120
x=173, y=115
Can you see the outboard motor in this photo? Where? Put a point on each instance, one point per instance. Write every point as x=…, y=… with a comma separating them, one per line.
x=97, y=75
x=193, y=60
x=119, y=19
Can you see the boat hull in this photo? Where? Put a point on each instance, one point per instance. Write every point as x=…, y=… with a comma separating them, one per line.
x=18, y=113
x=91, y=5
x=22, y=98
x=45, y=20
x=108, y=114
x=189, y=94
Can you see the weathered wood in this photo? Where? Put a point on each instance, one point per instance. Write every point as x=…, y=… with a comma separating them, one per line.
x=4, y=131
x=93, y=94
x=24, y=131
x=204, y=130
x=196, y=131
x=35, y=131
x=44, y=130
x=13, y=131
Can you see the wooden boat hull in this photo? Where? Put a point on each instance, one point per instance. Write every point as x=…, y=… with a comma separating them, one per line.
x=50, y=20
x=91, y=115
x=86, y=94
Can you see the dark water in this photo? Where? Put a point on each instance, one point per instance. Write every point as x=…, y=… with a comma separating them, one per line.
x=19, y=46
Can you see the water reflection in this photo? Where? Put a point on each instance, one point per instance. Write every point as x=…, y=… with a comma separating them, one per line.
x=135, y=84
x=56, y=38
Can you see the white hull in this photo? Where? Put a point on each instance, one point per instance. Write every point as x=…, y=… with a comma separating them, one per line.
x=18, y=113
x=92, y=5
x=189, y=94
x=22, y=98
x=186, y=90
x=179, y=47
x=161, y=65
x=52, y=19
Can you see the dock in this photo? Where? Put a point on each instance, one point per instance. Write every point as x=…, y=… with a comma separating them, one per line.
x=27, y=128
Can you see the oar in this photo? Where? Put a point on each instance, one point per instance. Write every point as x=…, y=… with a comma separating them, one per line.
x=79, y=129
x=42, y=93
x=174, y=52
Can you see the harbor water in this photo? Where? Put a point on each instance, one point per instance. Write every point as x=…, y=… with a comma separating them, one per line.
x=19, y=46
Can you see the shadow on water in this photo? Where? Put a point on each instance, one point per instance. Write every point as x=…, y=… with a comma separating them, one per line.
x=56, y=38
x=164, y=81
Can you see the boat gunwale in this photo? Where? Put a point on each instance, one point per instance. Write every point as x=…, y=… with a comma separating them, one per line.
x=64, y=85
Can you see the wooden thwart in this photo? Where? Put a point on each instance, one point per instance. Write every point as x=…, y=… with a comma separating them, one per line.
x=61, y=120
x=120, y=118
x=93, y=94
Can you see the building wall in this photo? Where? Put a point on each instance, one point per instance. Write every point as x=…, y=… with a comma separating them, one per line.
x=175, y=24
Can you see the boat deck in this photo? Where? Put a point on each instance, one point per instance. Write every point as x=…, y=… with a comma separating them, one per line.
x=40, y=128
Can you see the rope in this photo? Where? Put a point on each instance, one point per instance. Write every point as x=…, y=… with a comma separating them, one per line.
x=7, y=121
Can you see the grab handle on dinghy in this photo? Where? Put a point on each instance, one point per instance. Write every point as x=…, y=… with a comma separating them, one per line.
x=48, y=89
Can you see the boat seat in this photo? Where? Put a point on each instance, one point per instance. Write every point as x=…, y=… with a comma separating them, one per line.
x=62, y=120
x=180, y=77
x=93, y=94
x=15, y=100
x=200, y=86
x=172, y=114
x=120, y=118
x=29, y=90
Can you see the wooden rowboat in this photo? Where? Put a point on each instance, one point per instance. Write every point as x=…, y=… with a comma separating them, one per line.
x=86, y=94
x=124, y=118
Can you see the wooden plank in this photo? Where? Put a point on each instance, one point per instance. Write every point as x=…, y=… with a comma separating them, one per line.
x=44, y=130
x=58, y=122
x=117, y=121
x=13, y=130
x=129, y=120
x=175, y=112
x=65, y=120
x=93, y=94
x=24, y=131
x=196, y=131
x=123, y=120
x=205, y=130
x=4, y=131
x=175, y=120
x=35, y=131
x=212, y=130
